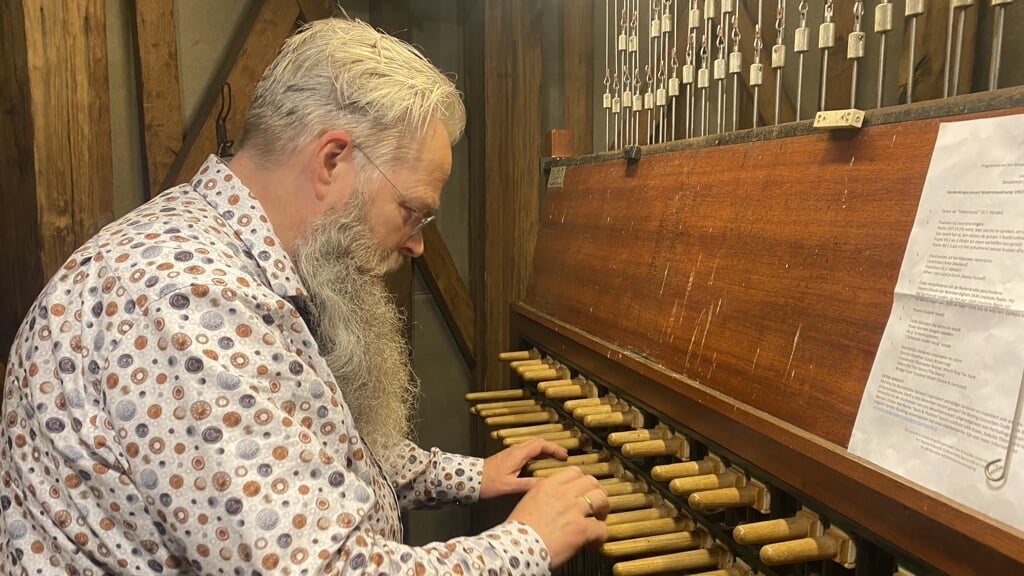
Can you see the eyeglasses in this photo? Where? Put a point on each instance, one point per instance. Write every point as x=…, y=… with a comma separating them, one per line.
x=414, y=219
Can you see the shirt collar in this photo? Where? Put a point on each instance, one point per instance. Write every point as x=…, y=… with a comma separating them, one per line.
x=244, y=214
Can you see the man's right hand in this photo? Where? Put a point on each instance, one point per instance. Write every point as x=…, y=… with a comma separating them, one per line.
x=566, y=510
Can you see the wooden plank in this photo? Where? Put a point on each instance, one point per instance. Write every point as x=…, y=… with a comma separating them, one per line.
x=19, y=224
x=251, y=53
x=578, y=75
x=449, y=291
x=157, y=64
x=71, y=116
x=512, y=147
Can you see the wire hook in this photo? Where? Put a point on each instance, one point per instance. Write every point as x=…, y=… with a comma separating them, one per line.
x=225, y=146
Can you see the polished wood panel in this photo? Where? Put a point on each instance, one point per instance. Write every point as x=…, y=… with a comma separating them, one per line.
x=764, y=269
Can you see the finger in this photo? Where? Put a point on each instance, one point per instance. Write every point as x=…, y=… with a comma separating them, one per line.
x=594, y=531
x=566, y=476
x=598, y=503
x=540, y=447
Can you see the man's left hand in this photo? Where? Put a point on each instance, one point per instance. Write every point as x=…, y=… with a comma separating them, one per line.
x=501, y=471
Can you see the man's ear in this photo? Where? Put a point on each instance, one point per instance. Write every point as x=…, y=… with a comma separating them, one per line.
x=333, y=165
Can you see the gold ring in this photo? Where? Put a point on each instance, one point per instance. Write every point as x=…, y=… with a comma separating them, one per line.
x=589, y=503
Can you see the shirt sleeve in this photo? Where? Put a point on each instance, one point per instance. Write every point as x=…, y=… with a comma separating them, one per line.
x=247, y=460
x=431, y=478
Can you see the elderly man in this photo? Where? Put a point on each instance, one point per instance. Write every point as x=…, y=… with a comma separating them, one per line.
x=217, y=382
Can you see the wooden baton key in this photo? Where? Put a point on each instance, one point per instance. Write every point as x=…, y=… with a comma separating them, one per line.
x=834, y=544
x=805, y=524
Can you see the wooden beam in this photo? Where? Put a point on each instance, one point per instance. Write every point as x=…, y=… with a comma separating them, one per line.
x=471, y=20
x=157, y=64
x=254, y=49
x=442, y=278
x=315, y=10
x=578, y=74
x=59, y=190
x=20, y=264
x=512, y=146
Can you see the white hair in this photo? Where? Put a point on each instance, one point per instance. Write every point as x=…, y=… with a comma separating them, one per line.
x=340, y=73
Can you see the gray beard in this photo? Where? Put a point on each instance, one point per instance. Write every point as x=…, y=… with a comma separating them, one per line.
x=358, y=327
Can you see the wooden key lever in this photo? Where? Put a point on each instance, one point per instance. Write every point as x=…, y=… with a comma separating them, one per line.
x=711, y=557
x=484, y=406
x=805, y=524
x=689, y=484
x=546, y=416
x=496, y=395
x=676, y=445
x=544, y=385
x=497, y=409
x=539, y=364
x=834, y=544
x=657, y=544
x=526, y=430
x=577, y=460
x=580, y=388
x=519, y=355
x=631, y=418
x=659, y=512
x=652, y=527
x=710, y=465
x=746, y=492
x=617, y=439
x=556, y=372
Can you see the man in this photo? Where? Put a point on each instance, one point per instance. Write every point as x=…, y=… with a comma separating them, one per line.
x=216, y=383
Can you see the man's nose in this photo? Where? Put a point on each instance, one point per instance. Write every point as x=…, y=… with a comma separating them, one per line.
x=413, y=245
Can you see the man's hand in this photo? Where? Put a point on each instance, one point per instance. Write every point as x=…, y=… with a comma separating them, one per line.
x=566, y=510
x=501, y=471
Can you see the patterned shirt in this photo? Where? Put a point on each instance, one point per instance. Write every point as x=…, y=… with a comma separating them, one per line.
x=167, y=411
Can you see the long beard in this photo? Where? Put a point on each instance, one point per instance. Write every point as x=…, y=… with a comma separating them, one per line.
x=358, y=327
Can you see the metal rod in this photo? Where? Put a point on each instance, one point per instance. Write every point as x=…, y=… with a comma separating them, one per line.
x=999, y=15
x=949, y=51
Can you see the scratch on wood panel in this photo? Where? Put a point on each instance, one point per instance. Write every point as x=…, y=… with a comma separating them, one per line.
x=714, y=362
x=693, y=339
x=663, y=279
x=852, y=160
x=893, y=143
x=714, y=269
x=844, y=197
x=754, y=363
x=719, y=307
x=686, y=297
x=700, y=353
x=793, y=351
x=668, y=323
